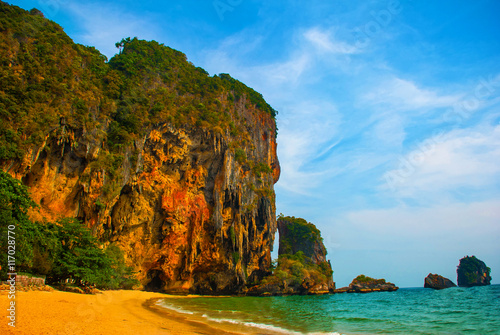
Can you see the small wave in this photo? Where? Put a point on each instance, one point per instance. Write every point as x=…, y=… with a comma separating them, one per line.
x=163, y=304
x=253, y=324
x=265, y=326
x=261, y=326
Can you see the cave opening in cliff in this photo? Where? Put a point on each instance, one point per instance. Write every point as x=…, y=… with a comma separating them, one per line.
x=156, y=284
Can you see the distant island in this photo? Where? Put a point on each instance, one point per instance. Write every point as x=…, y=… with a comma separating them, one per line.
x=470, y=272
x=364, y=284
x=473, y=272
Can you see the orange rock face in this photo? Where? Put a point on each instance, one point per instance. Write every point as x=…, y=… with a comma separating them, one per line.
x=189, y=216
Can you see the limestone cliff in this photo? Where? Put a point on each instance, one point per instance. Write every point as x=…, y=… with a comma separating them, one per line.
x=175, y=167
x=302, y=267
x=296, y=234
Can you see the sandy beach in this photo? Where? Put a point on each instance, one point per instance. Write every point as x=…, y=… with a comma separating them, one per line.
x=110, y=312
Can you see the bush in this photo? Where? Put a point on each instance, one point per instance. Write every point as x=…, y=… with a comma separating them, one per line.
x=240, y=156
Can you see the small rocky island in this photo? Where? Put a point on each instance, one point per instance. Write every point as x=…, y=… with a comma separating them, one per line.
x=473, y=272
x=364, y=284
x=302, y=267
x=437, y=282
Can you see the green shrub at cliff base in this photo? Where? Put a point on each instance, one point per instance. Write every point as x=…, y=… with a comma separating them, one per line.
x=14, y=204
x=80, y=259
x=295, y=269
x=61, y=251
x=121, y=276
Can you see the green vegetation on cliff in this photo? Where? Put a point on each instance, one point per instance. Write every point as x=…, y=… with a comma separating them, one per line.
x=301, y=266
x=366, y=279
x=46, y=79
x=471, y=271
x=295, y=269
x=299, y=235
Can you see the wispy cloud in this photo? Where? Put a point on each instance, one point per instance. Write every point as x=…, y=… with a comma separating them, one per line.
x=405, y=95
x=299, y=146
x=325, y=41
x=442, y=165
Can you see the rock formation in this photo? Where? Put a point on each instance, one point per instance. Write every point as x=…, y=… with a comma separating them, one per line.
x=302, y=266
x=472, y=272
x=437, y=282
x=296, y=234
x=175, y=167
x=364, y=284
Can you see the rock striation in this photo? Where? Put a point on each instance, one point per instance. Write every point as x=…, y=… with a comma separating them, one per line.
x=437, y=282
x=473, y=272
x=302, y=265
x=175, y=167
x=364, y=284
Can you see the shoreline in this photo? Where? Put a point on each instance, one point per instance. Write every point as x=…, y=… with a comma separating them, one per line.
x=215, y=327
x=120, y=312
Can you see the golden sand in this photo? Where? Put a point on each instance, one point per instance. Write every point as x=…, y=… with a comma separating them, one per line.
x=111, y=312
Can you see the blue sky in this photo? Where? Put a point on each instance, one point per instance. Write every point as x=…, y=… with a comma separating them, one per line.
x=389, y=114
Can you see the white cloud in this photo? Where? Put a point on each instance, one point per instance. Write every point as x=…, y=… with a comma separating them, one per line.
x=465, y=158
x=404, y=95
x=443, y=224
x=298, y=146
x=325, y=41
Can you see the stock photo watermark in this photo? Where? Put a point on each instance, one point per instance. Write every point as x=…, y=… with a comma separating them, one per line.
x=224, y=6
x=485, y=89
x=380, y=20
x=11, y=273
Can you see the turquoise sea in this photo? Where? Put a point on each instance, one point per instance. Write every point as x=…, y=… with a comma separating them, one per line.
x=473, y=310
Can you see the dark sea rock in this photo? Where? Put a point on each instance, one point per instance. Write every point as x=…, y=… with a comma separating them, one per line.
x=437, y=282
x=473, y=272
x=363, y=284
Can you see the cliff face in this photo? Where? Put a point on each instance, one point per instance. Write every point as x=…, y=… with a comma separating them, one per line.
x=472, y=272
x=179, y=176
x=187, y=217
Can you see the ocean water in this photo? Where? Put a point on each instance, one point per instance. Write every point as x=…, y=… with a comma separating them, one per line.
x=457, y=310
